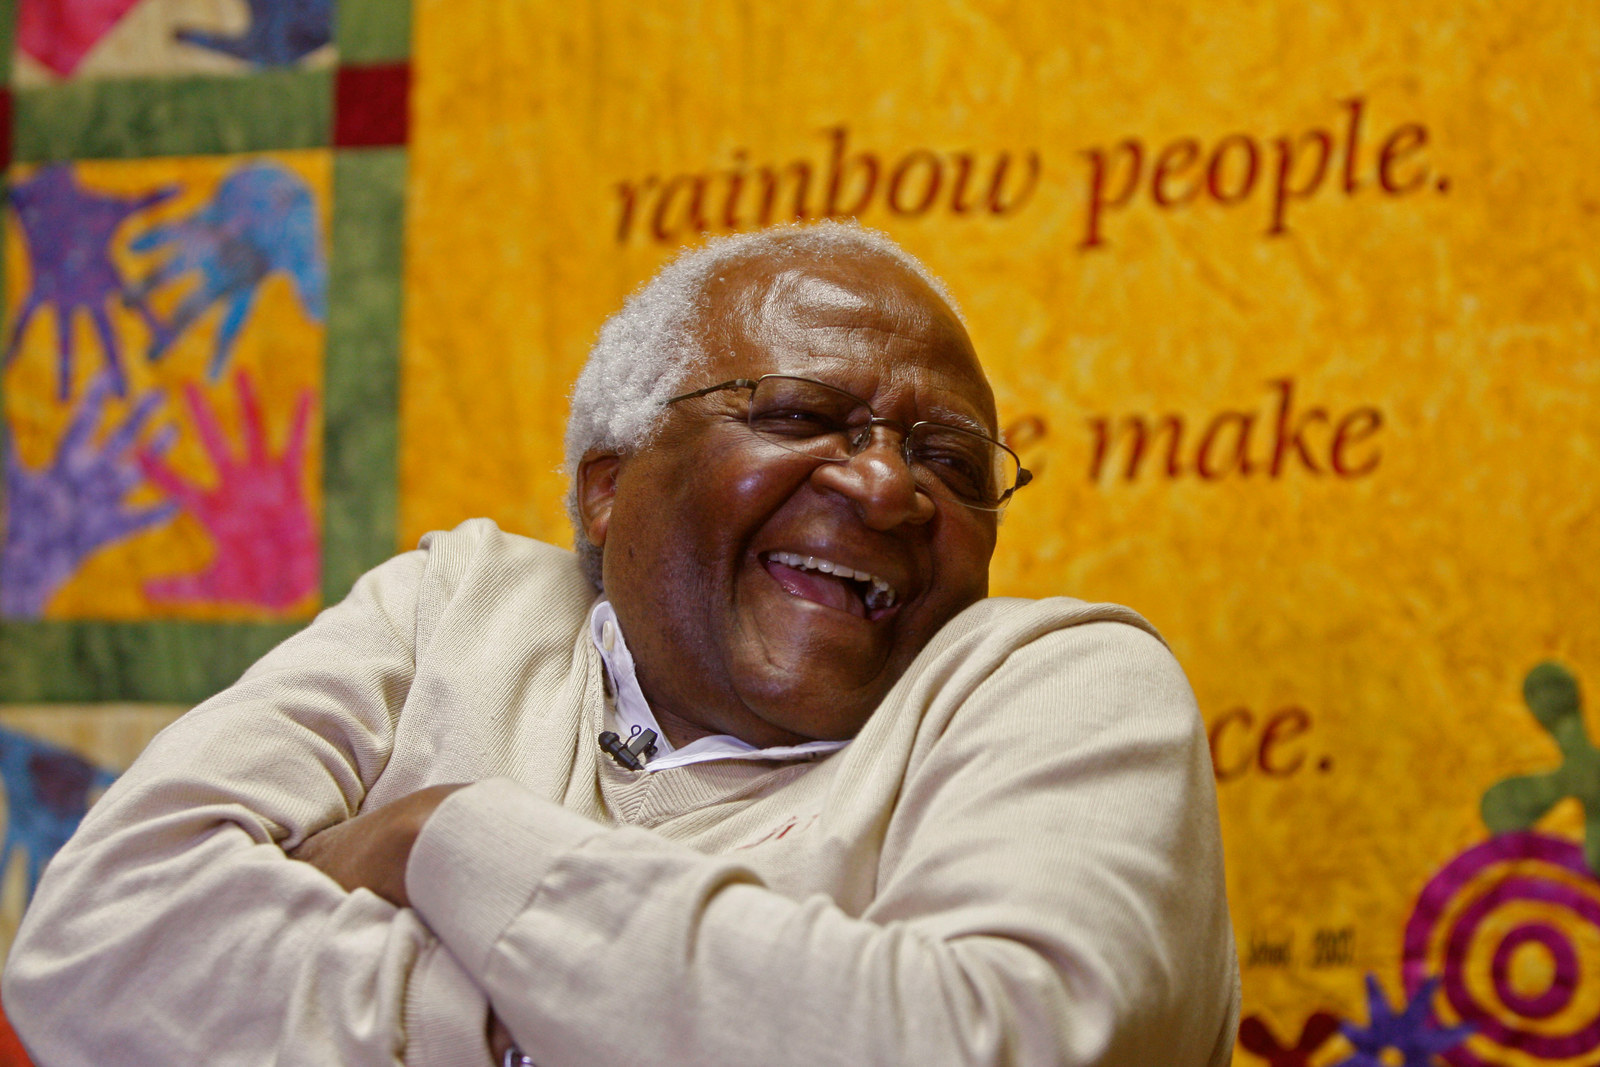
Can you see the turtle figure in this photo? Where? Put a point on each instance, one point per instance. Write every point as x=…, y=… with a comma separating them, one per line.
x=1518, y=802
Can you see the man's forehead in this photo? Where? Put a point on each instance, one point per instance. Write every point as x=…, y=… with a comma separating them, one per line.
x=829, y=318
x=863, y=293
x=839, y=283
x=810, y=292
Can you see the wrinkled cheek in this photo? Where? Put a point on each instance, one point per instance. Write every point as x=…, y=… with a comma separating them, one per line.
x=762, y=638
x=754, y=471
x=966, y=556
x=748, y=485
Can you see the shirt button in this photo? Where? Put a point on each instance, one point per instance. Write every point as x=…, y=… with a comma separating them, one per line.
x=608, y=635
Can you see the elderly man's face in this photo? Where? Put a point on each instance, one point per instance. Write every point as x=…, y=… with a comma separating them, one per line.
x=729, y=638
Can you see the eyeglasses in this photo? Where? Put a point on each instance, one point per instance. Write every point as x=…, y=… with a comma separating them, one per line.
x=814, y=419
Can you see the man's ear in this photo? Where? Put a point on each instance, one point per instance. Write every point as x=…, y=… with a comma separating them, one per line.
x=597, y=489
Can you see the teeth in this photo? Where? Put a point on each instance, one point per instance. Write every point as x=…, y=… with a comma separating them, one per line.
x=880, y=595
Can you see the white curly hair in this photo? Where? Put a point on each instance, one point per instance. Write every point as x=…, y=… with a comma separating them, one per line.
x=648, y=349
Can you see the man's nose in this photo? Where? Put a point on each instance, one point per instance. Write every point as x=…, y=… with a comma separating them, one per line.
x=879, y=482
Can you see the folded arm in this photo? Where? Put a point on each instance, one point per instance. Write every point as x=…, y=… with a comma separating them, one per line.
x=1050, y=891
x=174, y=929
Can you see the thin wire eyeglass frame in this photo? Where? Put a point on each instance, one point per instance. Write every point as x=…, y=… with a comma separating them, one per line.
x=859, y=437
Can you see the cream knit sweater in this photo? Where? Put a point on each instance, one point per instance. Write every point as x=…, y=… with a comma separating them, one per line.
x=1017, y=861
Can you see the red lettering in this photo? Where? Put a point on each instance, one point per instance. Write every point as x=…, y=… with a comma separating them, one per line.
x=1140, y=435
x=693, y=217
x=958, y=186
x=743, y=195
x=1098, y=201
x=769, y=190
x=630, y=198
x=1354, y=428
x=1284, y=726
x=1351, y=143
x=1405, y=141
x=1173, y=161
x=1227, y=442
x=1283, y=192
x=1219, y=727
x=1239, y=459
x=837, y=170
x=1218, y=164
x=730, y=204
x=930, y=185
x=995, y=184
x=1182, y=171
x=1290, y=436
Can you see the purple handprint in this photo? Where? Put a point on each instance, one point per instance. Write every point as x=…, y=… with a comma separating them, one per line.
x=59, y=514
x=257, y=515
x=69, y=232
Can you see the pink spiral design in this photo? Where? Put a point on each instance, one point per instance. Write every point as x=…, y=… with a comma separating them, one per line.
x=1505, y=1023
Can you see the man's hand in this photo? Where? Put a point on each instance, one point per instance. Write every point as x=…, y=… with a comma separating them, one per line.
x=371, y=850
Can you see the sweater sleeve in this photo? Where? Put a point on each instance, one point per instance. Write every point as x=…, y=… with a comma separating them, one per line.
x=173, y=929
x=1050, y=891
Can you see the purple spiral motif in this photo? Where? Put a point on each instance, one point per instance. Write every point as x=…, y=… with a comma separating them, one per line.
x=1559, y=993
x=1517, y=880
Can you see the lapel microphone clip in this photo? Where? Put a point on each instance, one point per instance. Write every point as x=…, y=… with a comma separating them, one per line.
x=636, y=753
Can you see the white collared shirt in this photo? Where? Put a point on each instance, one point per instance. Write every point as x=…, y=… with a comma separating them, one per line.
x=633, y=714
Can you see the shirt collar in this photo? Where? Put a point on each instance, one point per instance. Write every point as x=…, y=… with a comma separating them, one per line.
x=633, y=712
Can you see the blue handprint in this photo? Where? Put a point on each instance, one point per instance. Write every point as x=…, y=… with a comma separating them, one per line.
x=281, y=32
x=47, y=793
x=68, y=231
x=58, y=515
x=262, y=219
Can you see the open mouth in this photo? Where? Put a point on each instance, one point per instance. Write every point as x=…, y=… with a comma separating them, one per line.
x=834, y=585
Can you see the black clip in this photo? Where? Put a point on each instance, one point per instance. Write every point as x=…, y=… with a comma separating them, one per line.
x=640, y=747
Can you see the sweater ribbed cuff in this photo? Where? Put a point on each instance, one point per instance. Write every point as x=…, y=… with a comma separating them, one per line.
x=446, y=1014
x=479, y=860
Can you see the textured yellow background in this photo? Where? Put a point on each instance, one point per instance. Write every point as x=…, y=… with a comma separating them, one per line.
x=1399, y=609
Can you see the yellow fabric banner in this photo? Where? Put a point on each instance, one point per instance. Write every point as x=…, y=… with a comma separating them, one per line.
x=1293, y=314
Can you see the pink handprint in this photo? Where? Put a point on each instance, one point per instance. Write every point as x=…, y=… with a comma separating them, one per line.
x=267, y=549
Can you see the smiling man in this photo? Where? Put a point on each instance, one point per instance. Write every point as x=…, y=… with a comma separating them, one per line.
x=761, y=775
x=725, y=541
